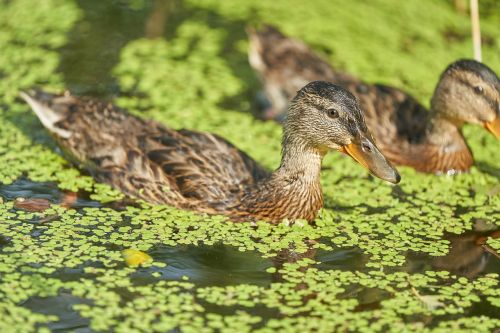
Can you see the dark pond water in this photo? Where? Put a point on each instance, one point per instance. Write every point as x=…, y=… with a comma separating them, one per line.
x=26, y=189
x=221, y=265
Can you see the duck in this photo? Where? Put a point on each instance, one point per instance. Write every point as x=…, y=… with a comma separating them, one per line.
x=204, y=172
x=430, y=141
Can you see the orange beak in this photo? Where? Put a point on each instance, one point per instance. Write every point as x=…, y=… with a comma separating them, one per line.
x=494, y=127
x=369, y=156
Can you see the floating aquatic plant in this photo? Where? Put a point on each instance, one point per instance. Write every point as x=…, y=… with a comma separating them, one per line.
x=373, y=261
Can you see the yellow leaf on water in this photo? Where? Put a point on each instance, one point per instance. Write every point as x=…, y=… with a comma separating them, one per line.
x=135, y=258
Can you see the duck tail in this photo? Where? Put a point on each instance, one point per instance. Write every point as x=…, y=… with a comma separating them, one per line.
x=43, y=105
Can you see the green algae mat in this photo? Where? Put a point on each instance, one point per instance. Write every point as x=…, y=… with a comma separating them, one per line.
x=419, y=256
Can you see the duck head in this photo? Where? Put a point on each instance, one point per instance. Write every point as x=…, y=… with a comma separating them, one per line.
x=469, y=92
x=324, y=117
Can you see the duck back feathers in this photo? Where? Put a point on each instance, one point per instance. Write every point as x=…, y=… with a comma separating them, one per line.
x=143, y=158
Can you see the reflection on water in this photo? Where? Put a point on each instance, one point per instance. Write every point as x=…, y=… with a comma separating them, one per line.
x=24, y=188
x=216, y=265
x=469, y=255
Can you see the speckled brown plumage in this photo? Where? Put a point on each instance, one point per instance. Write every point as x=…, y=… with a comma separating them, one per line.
x=204, y=172
x=404, y=130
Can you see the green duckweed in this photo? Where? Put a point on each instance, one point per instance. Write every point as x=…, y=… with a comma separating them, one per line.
x=379, y=258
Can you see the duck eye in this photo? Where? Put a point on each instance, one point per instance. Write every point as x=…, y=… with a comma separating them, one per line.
x=332, y=113
x=478, y=89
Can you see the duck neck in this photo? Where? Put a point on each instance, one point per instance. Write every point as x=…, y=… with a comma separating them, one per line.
x=451, y=153
x=293, y=191
x=442, y=131
x=443, y=126
x=300, y=164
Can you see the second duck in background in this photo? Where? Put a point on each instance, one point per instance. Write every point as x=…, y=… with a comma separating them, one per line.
x=408, y=134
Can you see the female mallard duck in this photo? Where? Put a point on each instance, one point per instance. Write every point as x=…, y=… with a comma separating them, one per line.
x=407, y=134
x=204, y=172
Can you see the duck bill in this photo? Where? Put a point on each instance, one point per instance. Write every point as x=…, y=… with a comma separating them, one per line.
x=494, y=127
x=368, y=155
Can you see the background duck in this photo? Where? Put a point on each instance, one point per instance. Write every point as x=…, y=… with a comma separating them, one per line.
x=204, y=172
x=407, y=133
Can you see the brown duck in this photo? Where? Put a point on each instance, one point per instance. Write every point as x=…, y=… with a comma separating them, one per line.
x=204, y=172
x=407, y=133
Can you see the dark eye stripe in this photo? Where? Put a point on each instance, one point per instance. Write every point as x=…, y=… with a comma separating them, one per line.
x=488, y=100
x=352, y=128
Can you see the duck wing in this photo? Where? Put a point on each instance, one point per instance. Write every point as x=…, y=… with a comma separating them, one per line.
x=203, y=166
x=390, y=113
x=143, y=158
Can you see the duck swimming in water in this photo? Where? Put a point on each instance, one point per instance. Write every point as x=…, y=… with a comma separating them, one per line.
x=407, y=134
x=204, y=172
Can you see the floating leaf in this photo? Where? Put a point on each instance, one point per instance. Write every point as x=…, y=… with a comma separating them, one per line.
x=135, y=258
